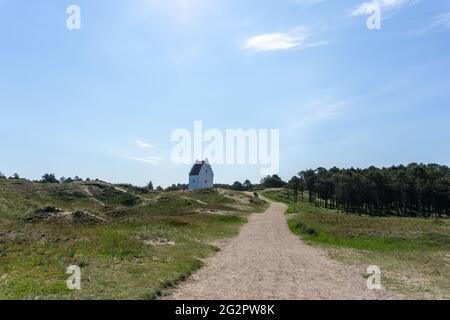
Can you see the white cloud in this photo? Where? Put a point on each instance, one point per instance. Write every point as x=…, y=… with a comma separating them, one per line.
x=439, y=21
x=315, y=44
x=369, y=7
x=274, y=42
x=294, y=39
x=150, y=160
x=144, y=145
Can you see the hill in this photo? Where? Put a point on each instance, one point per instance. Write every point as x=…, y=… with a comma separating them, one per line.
x=142, y=242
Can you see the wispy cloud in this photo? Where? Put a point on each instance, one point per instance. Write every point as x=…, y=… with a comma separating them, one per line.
x=144, y=145
x=441, y=21
x=369, y=7
x=150, y=160
x=295, y=39
x=153, y=160
x=316, y=111
x=276, y=41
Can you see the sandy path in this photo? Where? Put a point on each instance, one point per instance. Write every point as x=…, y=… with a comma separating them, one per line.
x=267, y=261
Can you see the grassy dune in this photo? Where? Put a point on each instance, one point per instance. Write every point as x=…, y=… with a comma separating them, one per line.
x=151, y=240
x=414, y=254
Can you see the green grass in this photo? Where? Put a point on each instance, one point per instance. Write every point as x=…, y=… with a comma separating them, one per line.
x=427, y=241
x=19, y=197
x=119, y=260
x=414, y=254
x=114, y=258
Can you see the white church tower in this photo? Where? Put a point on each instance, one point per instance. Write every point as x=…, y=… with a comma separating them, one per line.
x=201, y=176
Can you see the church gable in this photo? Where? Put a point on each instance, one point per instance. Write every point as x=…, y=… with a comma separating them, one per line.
x=201, y=176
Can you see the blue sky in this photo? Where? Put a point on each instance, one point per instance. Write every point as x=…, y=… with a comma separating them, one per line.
x=101, y=102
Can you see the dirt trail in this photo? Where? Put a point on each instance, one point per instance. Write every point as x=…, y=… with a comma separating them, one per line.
x=267, y=261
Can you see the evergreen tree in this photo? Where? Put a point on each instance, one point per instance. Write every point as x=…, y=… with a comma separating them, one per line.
x=413, y=190
x=49, y=178
x=273, y=181
x=248, y=185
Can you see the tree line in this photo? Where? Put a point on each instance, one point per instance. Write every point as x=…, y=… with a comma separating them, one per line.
x=273, y=181
x=47, y=178
x=412, y=190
